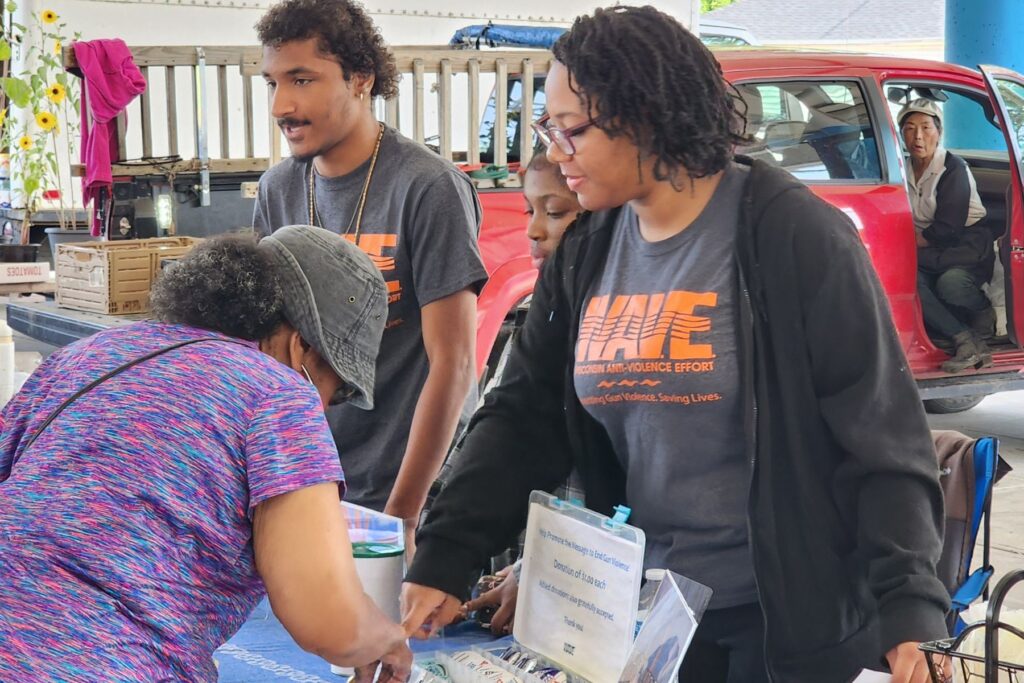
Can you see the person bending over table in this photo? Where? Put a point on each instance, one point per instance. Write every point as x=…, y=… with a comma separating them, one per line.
x=141, y=526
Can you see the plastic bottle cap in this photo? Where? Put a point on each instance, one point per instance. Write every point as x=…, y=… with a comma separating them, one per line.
x=366, y=551
x=654, y=574
x=6, y=333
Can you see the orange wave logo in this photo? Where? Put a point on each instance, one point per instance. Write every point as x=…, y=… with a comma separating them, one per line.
x=645, y=327
x=605, y=384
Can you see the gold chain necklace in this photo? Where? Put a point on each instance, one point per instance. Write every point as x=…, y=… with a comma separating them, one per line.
x=357, y=215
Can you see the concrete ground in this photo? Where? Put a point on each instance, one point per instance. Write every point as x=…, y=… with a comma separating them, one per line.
x=1001, y=415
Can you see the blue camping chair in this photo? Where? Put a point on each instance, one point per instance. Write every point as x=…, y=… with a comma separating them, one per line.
x=969, y=469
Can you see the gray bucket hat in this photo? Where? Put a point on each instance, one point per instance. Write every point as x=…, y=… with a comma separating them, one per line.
x=336, y=298
x=921, y=105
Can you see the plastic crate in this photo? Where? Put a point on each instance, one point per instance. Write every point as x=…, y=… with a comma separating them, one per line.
x=113, y=277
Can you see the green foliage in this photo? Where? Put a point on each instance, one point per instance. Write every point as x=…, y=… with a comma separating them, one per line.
x=711, y=5
x=18, y=91
x=27, y=94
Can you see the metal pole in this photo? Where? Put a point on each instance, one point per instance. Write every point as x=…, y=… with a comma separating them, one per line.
x=202, y=127
x=980, y=33
x=22, y=118
x=694, y=23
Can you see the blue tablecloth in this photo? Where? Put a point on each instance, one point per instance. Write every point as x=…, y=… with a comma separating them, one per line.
x=262, y=651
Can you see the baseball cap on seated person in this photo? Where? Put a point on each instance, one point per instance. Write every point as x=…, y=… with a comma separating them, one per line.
x=921, y=105
x=336, y=298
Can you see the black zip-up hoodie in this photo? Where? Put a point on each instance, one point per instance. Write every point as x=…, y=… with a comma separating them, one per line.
x=845, y=509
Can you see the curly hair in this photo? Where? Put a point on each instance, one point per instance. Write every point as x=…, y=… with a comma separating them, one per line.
x=226, y=285
x=650, y=79
x=343, y=31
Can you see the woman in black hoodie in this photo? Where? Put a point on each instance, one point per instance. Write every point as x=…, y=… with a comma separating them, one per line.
x=711, y=347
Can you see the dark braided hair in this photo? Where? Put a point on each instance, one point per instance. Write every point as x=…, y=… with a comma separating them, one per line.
x=344, y=32
x=650, y=79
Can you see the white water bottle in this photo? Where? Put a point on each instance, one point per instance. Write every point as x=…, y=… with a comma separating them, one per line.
x=652, y=580
x=6, y=363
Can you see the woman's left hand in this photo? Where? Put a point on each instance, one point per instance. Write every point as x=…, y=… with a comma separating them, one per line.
x=503, y=596
x=908, y=664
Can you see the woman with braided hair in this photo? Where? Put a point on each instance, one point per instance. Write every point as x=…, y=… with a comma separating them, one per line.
x=710, y=346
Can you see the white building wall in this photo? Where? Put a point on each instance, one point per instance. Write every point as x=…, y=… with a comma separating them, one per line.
x=231, y=22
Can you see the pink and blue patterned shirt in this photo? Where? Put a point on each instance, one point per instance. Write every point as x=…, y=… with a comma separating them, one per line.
x=126, y=529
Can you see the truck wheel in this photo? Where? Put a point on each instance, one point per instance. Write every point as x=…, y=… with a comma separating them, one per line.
x=957, y=404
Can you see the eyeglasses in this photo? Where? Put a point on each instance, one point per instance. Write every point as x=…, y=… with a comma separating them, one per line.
x=559, y=136
x=344, y=393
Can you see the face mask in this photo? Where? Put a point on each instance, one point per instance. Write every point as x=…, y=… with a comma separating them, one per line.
x=306, y=373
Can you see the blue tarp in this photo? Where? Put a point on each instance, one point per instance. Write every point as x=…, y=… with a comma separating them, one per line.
x=505, y=35
x=263, y=652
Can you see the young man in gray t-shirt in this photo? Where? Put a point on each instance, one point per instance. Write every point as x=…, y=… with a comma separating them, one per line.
x=414, y=213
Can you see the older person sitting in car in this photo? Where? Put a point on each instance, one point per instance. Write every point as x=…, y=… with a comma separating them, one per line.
x=954, y=255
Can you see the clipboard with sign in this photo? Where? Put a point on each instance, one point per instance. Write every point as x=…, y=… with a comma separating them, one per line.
x=579, y=588
x=576, y=609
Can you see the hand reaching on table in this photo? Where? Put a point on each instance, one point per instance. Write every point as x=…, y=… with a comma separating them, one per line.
x=395, y=667
x=427, y=610
x=503, y=597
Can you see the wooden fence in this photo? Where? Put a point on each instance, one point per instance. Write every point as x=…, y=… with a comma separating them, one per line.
x=221, y=74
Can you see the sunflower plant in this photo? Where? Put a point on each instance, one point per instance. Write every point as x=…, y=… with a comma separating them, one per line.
x=47, y=101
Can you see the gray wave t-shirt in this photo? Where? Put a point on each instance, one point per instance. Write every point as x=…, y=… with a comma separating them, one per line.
x=419, y=225
x=656, y=364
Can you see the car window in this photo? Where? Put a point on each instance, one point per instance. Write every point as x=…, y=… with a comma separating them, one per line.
x=715, y=40
x=967, y=117
x=818, y=131
x=1012, y=93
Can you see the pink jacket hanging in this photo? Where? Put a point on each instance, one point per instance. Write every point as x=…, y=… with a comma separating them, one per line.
x=110, y=82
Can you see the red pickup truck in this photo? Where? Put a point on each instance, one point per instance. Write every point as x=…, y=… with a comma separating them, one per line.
x=829, y=120
x=826, y=118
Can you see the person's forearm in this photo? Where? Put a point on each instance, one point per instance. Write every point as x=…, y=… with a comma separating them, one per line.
x=374, y=636
x=303, y=554
x=433, y=427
